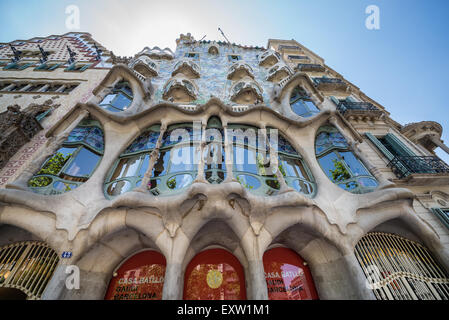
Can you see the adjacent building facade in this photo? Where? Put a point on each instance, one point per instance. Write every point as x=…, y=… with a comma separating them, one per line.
x=218, y=171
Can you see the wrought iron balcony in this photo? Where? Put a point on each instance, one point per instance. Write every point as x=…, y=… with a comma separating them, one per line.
x=354, y=109
x=312, y=67
x=403, y=167
x=330, y=84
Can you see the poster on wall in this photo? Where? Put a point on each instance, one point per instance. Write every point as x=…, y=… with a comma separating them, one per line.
x=287, y=276
x=214, y=275
x=141, y=277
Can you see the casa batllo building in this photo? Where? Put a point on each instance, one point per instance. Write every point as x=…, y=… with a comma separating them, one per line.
x=294, y=185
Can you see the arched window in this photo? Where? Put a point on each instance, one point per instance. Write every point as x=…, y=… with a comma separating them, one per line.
x=214, y=274
x=301, y=103
x=288, y=276
x=129, y=169
x=400, y=269
x=252, y=166
x=119, y=99
x=340, y=164
x=73, y=163
x=141, y=277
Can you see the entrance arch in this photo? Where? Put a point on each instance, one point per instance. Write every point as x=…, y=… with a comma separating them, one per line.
x=401, y=269
x=287, y=275
x=140, y=277
x=25, y=269
x=214, y=274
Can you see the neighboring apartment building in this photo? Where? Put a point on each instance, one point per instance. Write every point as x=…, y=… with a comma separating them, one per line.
x=218, y=171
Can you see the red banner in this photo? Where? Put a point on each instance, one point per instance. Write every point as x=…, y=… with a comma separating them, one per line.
x=288, y=278
x=141, y=277
x=214, y=274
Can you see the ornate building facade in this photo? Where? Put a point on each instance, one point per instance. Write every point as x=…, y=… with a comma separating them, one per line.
x=218, y=171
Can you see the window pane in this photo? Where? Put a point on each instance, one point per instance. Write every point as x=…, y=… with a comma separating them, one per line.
x=126, y=168
x=245, y=160
x=119, y=187
x=311, y=106
x=299, y=108
x=354, y=164
x=293, y=168
x=145, y=164
x=121, y=102
x=83, y=164
x=108, y=99
x=179, y=181
x=160, y=167
x=334, y=168
x=183, y=159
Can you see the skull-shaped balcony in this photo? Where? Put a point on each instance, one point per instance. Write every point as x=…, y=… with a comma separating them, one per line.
x=269, y=58
x=247, y=92
x=180, y=90
x=240, y=70
x=278, y=72
x=188, y=68
x=145, y=66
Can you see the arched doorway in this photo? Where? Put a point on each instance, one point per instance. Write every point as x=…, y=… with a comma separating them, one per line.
x=287, y=275
x=214, y=274
x=141, y=277
x=397, y=268
x=25, y=269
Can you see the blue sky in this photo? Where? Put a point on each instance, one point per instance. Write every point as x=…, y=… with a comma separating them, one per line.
x=404, y=65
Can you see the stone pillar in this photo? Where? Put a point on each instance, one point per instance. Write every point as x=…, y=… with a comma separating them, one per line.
x=154, y=156
x=358, y=278
x=56, y=285
x=173, y=284
x=439, y=143
x=201, y=177
x=228, y=155
x=257, y=280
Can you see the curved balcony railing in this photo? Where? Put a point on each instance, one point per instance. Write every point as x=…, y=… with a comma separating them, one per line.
x=403, y=167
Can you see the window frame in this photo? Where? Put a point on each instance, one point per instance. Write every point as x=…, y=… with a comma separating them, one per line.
x=359, y=189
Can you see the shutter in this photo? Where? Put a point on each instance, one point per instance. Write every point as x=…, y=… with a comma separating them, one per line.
x=335, y=100
x=380, y=146
x=399, y=166
x=85, y=67
x=350, y=99
x=442, y=216
x=399, y=146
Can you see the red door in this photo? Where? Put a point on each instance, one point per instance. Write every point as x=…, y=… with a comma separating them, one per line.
x=287, y=277
x=214, y=274
x=141, y=277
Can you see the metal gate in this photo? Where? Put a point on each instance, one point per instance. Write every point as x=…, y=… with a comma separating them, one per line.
x=400, y=269
x=27, y=266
